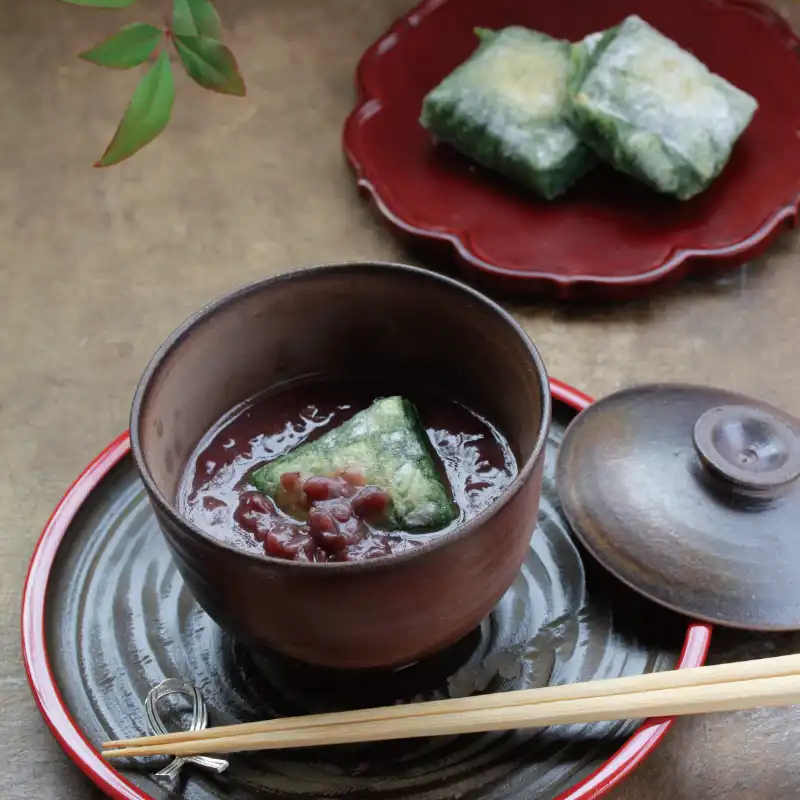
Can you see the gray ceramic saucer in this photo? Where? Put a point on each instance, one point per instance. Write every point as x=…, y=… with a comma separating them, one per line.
x=106, y=617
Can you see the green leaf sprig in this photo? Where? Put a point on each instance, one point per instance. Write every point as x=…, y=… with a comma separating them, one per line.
x=195, y=33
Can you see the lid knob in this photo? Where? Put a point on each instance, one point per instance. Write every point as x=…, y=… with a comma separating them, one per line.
x=750, y=449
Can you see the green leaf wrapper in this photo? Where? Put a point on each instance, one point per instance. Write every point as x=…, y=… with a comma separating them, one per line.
x=653, y=110
x=388, y=443
x=505, y=108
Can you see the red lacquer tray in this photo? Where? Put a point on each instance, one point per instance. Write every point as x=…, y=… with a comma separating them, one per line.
x=608, y=236
x=79, y=709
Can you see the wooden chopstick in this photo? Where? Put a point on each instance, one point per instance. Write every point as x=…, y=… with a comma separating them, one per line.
x=764, y=682
x=736, y=696
x=697, y=676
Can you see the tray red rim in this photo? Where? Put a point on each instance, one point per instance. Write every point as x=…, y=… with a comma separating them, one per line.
x=677, y=263
x=113, y=783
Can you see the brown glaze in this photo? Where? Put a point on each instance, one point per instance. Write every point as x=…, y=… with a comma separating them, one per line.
x=215, y=493
x=690, y=495
x=370, y=322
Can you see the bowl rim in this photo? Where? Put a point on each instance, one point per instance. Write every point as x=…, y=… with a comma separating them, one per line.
x=185, y=329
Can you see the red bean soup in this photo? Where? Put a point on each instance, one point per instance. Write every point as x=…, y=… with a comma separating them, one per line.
x=337, y=516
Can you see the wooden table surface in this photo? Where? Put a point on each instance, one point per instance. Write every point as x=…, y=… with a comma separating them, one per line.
x=98, y=266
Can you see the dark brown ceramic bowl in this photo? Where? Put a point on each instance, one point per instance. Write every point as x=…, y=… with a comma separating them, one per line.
x=370, y=321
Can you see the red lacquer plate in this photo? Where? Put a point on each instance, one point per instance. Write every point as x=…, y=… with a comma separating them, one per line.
x=608, y=236
x=43, y=663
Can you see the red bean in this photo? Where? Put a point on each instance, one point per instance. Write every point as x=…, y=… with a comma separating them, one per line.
x=354, y=476
x=287, y=542
x=320, y=520
x=323, y=528
x=291, y=481
x=318, y=488
x=255, y=502
x=256, y=514
x=302, y=553
x=338, y=513
x=371, y=504
x=307, y=551
x=275, y=545
x=290, y=497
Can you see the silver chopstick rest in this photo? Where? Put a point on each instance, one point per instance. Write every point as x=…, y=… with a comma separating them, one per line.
x=199, y=722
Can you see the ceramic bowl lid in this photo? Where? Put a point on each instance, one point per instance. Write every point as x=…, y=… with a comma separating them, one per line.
x=690, y=495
